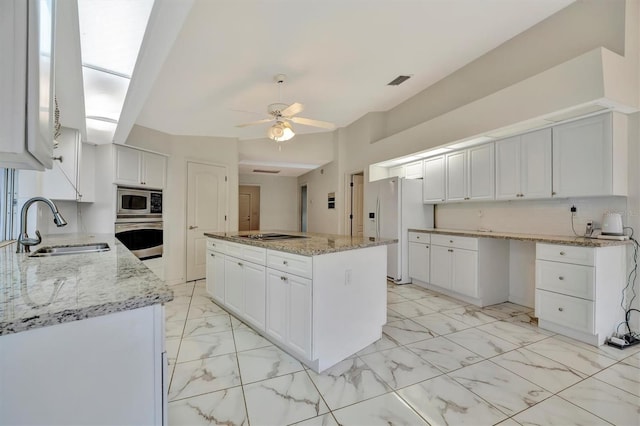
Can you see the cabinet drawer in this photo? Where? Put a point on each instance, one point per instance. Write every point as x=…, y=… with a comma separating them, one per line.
x=215, y=245
x=568, y=254
x=565, y=278
x=455, y=241
x=246, y=252
x=564, y=310
x=419, y=237
x=292, y=263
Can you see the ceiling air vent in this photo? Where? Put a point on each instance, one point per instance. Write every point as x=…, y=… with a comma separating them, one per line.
x=398, y=80
x=266, y=171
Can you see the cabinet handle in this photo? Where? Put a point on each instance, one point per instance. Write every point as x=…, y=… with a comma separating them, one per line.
x=561, y=309
x=450, y=251
x=283, y=278
x=426, y=246
x=553, y=193
x=466, y=198
x=561, y=278
x=417, y=237
x=284, y=262
x=193, y=227
x=239, y=263
x=212, y=255
x=562, y=253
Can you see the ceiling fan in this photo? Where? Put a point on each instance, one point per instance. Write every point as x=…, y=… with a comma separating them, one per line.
x=283, y=114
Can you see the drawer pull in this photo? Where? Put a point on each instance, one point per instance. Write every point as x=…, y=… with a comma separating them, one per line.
x=284, y=262
x=426, y=246
x=562, y=253
x=561, y=309
x=450, y=250
x=561, y=278
x=212, y=255
x=283, y=278
x=417, y=237
x=239, y=263
x=451, y=241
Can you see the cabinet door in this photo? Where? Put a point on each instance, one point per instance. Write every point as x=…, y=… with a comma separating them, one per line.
x=413, y=170
x=464, y=279
x=215, y=275
x=433, y=180
x=419, y=261
x=277, y=302
x=535, y=164
x=440, y=273
x=233, y=284
x=128, y=163
x=254, y=293
x=61, y=181
x=299, y=321
x=456, y=172
x=481, y=172
x=582, y=157
x=508, y=168
x=154, y=167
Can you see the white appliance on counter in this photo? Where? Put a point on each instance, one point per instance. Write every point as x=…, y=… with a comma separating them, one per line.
x=394, y=205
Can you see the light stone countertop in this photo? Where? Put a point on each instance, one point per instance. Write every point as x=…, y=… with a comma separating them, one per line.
x=316, y=244
x=549, y=239
x=40, y=291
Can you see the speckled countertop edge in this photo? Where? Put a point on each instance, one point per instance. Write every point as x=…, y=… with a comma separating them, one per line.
x=537, y=238
x=122, y=282
x=316, y=244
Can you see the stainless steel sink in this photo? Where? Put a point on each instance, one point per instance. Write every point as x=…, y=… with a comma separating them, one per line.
x=272, y=237
x=70, y=249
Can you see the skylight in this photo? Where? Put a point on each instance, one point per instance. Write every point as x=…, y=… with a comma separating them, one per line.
x=111, y=33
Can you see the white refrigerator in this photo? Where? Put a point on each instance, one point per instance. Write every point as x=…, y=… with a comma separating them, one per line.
x=394, y=205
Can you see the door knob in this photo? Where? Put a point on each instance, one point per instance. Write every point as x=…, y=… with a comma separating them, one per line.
x=193, y=227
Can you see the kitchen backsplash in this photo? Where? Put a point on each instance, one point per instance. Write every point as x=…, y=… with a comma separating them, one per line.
x=551, y=217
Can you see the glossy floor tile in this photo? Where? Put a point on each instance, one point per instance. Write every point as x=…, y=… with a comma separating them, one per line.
x=440, y=361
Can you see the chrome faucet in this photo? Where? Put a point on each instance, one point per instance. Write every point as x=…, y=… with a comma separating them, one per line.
x=24, y=242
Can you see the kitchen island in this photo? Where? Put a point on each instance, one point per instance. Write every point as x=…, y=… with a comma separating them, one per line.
x=320, y=297
x=81, y=336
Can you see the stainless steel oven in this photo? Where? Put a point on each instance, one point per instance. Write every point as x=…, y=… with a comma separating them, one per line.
x=142, y=237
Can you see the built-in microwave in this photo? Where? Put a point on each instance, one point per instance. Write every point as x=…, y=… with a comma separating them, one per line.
x=138, y=203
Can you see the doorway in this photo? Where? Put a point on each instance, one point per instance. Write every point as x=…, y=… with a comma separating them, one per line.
x=206, y=212
x=303, y=208
x=248, y=208
x=356, y=218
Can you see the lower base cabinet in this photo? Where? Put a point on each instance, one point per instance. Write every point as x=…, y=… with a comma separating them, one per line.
x=289, y=310
x=215, y=271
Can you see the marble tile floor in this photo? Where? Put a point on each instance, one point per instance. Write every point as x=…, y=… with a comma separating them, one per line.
x=439, y=362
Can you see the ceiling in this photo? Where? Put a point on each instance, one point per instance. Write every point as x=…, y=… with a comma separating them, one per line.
x=338, y=56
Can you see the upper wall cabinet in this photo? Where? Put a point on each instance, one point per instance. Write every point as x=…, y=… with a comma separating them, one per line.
x=26, y=77
x=433, y=180
x=470, y=174
x=139, y=168
x=584, y=154
x=523, y=166
x=413, y=170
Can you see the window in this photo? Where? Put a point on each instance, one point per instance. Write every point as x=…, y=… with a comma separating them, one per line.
x=8, y=203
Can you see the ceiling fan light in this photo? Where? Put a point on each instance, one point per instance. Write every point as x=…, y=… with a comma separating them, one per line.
x=280, y=132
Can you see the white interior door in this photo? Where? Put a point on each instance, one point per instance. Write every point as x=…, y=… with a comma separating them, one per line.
x=206, y=212
x=357, y=206
x=244, y=212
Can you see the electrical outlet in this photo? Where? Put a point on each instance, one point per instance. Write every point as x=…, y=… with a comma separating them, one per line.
x=574, y=210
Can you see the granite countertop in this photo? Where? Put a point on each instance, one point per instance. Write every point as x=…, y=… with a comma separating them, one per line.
x=538, y=238
x=314, y=245
x=40, y=291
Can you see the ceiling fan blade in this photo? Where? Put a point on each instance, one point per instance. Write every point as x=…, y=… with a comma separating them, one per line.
x=314, y=123
x=253, y=123
x=292, y=110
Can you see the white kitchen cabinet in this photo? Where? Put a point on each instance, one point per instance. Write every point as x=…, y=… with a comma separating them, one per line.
x=433, y=180
x=578, y=290
x=233, y=284
x=26, y=83
x=471, y=269
x=470, y=174
x=523, y=166
x=215, y=271
x=135, y=167
x=289, y=310
x=584, y=154
x=70, y=178
x=254, y=282
x=413, y=170
x=419, y=256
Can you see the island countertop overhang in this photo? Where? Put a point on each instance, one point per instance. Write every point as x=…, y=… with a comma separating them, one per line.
x=314, y=244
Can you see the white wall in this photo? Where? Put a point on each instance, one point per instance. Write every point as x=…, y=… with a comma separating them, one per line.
x=320, y=183
x=279, y=201
x=181, y=149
